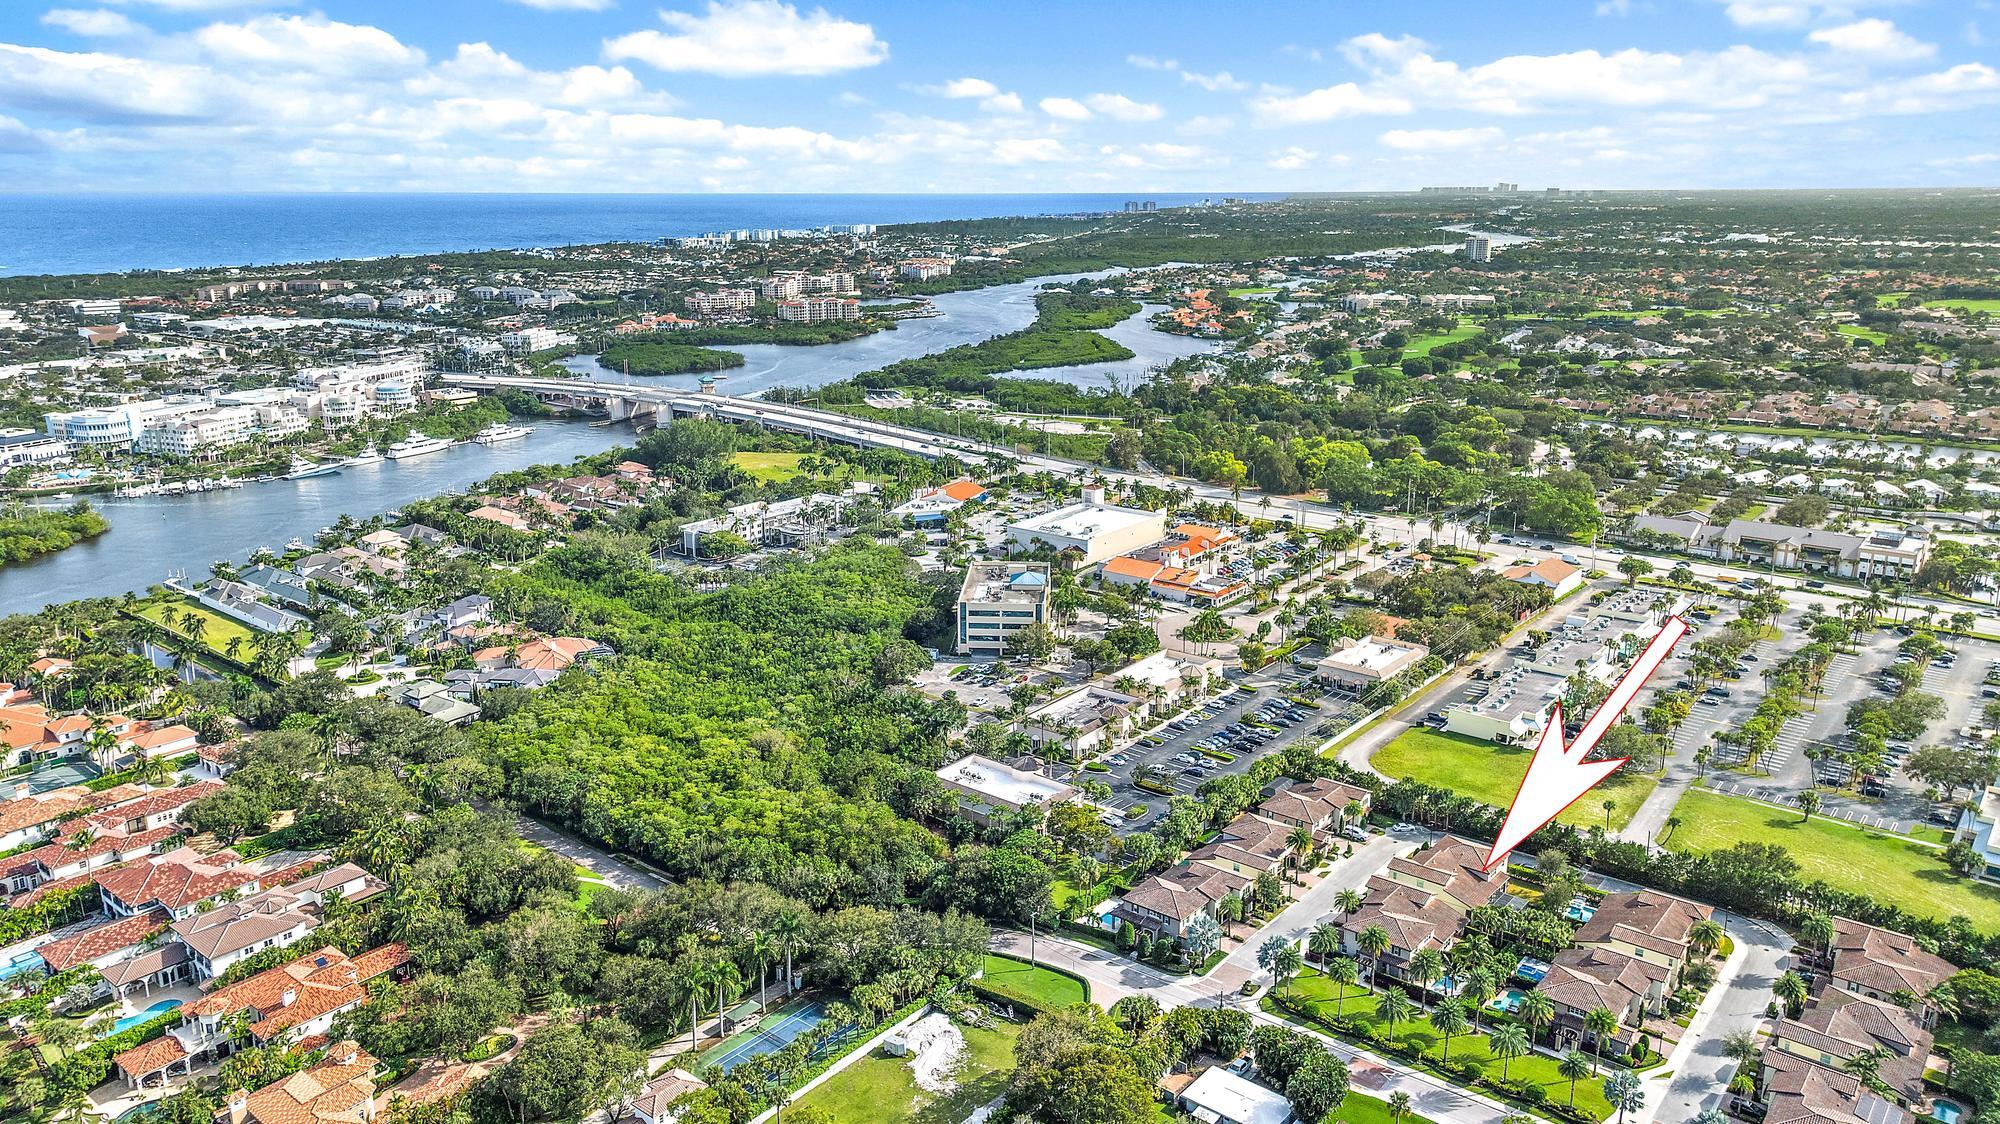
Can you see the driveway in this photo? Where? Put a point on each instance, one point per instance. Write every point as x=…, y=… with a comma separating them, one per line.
x=1698, y=1072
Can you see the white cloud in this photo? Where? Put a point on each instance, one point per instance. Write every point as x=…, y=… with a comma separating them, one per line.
x=741, y=38
x=1874, y=38
x=1218, y=82
x=964, y=88
x=1614, y=7
x=207, y=5
x=1960, y=87
x=1029, y=150
x=1068, y=109
x=1428, y=140
x=1148, y=62
x=1970, y=160
x=312, y=43
x=104, y=87
x=1768, y=13
x=97, y=23
x=568, y=5
x=1327, y=104
x=1118, y=107
x=1293, y=158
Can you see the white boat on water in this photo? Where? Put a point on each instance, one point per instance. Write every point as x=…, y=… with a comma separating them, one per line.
x=416, y=445
x=365, y=456
x=501, y=431
x=303, y=469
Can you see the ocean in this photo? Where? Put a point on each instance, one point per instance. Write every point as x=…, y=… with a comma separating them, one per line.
x=104, y=233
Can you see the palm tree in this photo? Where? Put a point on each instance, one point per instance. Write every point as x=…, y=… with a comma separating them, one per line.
x=1347, y=901
x=1623, y=1091
x=1300, y=841
x=1285, y=965
x=1705, y=936
x=1399, y=1105
x=1426, y=968
x=1575, y=1066
x=1818, y=929
x=1508, y=1041
x=1449, y=1019
x=1324, y=944
x=695, y=975
x=1373, y=941
x=1809, y=803
x=1609, y=807
x=1537, y=1010
x=761, y=950
x=1600, y=1024
x=1343, y=972
x=1395, y=1008
x=788, y=932
x=725, y=976
x=1476, y=988
x=1791, y=987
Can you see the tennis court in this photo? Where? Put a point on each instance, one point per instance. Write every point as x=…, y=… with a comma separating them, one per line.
x=61, y=773
x=772, y=1033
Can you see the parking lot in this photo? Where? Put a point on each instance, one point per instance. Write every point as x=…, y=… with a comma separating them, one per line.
x=1223, y=736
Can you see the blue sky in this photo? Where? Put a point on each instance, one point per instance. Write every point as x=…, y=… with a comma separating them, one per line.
x=994, y=95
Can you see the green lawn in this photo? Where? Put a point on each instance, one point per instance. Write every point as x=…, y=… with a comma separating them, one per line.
x=1966, y=305
x=216, y=635
x=1424, y=345
x=768, y=468
x=1032, y=983
x=1492, y=774
x=1316, y=994
x=1888, y=300
x=1360, y=1108
x=878, y=1087
x=1888, y=868
x=1859, y=332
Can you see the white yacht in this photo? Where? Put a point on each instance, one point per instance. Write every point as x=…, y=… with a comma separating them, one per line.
x=303, y=469
x=366, y=456
x=501, y=431
x=416, y=445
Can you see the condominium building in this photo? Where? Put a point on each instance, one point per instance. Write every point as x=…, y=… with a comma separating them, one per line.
x=721, y=302
x=1091, y=531
x=923, y=269
x=997, y=600
x=120, y=425
x=1479, y=247
x=782, y=287
x=1368, y=302
x=200, y=435
x=527, y=341
x=818, y=310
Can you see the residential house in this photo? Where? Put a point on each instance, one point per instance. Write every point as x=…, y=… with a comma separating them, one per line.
x=1421, y=902
x=1250, y=845
x=340, y=1089
x=1164, y=904
x=1552, y=574
x=1883, y=964
x=278, y=1005
x=655, y=1102
x=273, y=918
x=1316, y=805
x=1644, y=924
x=1842, y=1025
x=1792, y=1090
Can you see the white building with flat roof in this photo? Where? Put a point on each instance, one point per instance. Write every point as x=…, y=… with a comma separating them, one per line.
x=997, y=600
x=1220, y=1097
x=1983, y=826
x=989, y=790
x=1093, y=529
x=1365, y=662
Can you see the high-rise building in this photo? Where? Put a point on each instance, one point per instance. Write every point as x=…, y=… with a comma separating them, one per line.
x=1478, y=247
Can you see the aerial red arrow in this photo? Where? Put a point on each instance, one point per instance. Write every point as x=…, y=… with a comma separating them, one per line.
x=1559, y=776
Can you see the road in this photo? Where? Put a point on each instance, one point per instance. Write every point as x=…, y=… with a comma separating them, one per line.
x=604, y=864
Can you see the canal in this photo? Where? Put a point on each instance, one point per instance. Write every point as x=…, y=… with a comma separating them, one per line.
x=154, y=536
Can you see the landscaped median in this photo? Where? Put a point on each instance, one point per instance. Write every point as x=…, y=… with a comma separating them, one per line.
x=1492, y=774
x=1348, y=1012
x=1892, y=869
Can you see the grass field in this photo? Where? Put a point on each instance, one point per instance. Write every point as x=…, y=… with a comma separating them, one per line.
x=768, y=468
x=879, y=1088
x=1888, y=868
x=1492, y=773
x=217, y=634
x=1317, y=995
x=1424, y=345
x=1963, y=304
x=1360, y=1108
x=1037, y=985
x=1861, y=333
x=1888, y=300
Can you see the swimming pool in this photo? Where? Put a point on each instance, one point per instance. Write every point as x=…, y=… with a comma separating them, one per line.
x=1946, y=1112
x=1531, y=969
x=1579, y=910
x=145, y=1016
x=1508, y=1001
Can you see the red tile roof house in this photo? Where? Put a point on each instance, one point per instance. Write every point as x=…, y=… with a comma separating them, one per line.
x=220, y=937
x=1881, y=963
x=181, y=882
x=1163, y=904
x=32, y=816
x=339, y=1090
x=284, y=1004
